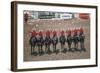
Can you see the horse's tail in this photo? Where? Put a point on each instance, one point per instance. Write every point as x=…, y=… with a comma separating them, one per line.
x=30, y=41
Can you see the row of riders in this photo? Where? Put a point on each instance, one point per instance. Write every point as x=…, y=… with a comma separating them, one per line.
x=74, y=37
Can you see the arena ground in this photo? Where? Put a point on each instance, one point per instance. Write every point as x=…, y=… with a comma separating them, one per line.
x=58, y=25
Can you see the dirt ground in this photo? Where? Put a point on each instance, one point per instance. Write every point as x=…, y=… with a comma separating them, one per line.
x=58, y=25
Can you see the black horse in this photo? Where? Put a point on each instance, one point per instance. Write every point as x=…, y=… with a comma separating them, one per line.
x=32, y=42
x=47, y=44
x=40, y=43
x=69, y=42
x=75, y=41
x=81, y=41
x=62, y=40
x=54, y=42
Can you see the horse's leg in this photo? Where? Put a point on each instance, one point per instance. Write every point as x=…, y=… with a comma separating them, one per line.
x=41, y=48
x=56, y=50
x=46, y=48
x=75, y=45
x=31, y=50
x=49, y=47
x=55, y=46
x=61, y=46
x=82, y=46
x=69, y=46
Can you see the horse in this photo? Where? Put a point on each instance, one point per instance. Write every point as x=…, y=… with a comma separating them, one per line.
x=47, y=44
x=40, y=42
x=54, y=42
x=62, y=40
x=69, y=41
x=81, y=41
x=75, y=41
x=32, y=42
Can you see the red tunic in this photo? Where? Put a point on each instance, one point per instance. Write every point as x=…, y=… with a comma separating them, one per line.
x=34, y=33
x=81, y=30
x=75, y=31
x=47, y=33
x=68, y=32
x=54, y=33
x=62, y=32
x=40, y=33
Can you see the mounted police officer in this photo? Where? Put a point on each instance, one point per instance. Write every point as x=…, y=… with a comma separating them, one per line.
x=40, y=42
x=81, y=39
x=33, y=41
x=62, y=40
x=54, y=41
